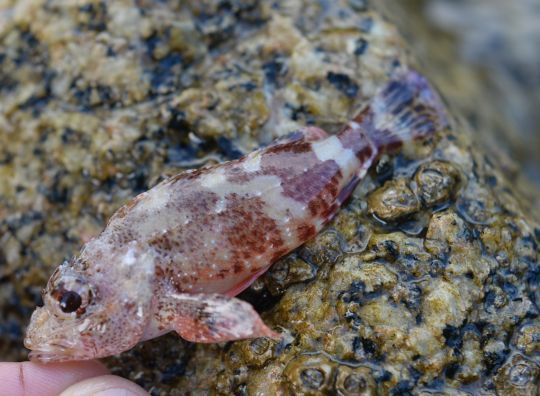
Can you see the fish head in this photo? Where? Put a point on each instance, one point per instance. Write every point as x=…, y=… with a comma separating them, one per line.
x=90, y=309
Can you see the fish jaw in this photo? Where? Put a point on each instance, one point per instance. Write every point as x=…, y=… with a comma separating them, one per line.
x=46, y=347
x=106, y=333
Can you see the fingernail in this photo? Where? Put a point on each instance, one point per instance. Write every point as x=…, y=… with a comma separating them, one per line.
x=116, y=392
x=106, y=385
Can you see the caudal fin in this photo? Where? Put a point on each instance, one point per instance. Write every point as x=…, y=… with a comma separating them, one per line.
x=407, y=108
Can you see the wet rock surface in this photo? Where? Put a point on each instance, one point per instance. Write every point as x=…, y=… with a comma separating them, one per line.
x=425, y=283
x=487, y=49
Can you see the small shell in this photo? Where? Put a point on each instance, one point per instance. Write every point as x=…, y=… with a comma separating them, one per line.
x=393, y=201
x=310, y=375
x=355, y=381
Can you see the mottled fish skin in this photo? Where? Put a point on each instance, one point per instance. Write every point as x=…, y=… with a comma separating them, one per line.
x=174, y=256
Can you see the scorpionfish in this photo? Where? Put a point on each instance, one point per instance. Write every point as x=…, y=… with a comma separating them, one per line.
x=174, y=257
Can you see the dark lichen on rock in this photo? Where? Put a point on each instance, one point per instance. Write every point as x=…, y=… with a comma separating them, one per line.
x=425, y=283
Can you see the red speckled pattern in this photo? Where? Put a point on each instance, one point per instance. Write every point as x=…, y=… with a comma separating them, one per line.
x=175, y=256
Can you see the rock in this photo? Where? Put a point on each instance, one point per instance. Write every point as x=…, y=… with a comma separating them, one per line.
x=425, y=283
x=477, y=205
x=518, y=376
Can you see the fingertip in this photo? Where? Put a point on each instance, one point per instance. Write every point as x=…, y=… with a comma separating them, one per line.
x=45, y=379
x=105, y=385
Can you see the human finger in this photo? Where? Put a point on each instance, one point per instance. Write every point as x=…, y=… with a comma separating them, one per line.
x=106, y=385
x=29, y=378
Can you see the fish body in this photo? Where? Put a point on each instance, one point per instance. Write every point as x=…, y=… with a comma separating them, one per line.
x=174, y=257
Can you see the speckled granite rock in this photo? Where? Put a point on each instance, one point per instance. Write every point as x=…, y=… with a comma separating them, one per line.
x=483, y=55
x=425, y=283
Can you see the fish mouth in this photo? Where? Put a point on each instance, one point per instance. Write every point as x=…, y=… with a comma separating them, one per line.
x=50, y=351
x=49, y=357
x=48, y=347
x=54, y=351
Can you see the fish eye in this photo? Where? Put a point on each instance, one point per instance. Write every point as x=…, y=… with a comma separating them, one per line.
x=69, y=294
x=70, y=301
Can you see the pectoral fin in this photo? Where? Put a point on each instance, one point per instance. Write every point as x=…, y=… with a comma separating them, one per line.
x=209, y=318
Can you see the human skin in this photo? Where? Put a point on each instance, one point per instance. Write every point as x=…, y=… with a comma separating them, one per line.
x=74, y=378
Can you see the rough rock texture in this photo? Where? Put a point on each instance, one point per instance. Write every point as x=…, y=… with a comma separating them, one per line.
x=425, y=283
x=483, y=54
x=500, y=39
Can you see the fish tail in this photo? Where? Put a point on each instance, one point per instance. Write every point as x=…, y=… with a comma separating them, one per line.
x=407, y=108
